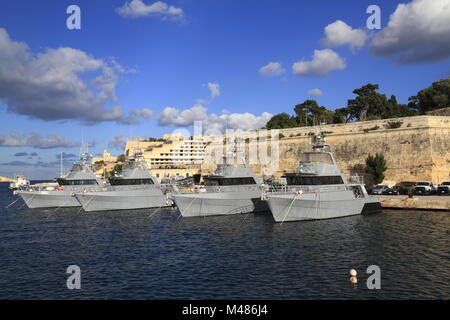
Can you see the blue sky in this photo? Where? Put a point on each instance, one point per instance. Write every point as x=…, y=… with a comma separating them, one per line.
x=168, y=60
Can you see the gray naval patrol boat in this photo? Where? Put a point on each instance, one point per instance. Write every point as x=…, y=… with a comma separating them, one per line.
x=230, y=189
x=134, y=188
x=319, y=190
x=80, y=178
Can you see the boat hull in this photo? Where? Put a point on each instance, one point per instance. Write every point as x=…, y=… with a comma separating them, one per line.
x=48, y=199
x=221, y=203
x=312, y=207
x=121, y=200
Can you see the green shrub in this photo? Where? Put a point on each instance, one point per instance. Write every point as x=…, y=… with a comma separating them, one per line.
x=394, y=124
x=371, y=129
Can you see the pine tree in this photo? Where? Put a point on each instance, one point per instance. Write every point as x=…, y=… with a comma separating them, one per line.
x=376, y=166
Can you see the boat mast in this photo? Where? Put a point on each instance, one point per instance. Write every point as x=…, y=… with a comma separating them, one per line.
x=318, y=140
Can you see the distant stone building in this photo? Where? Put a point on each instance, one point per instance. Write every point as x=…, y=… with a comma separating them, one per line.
x=106, y=157
x=105, y=163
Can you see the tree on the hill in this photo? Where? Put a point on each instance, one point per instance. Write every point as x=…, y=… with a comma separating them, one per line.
x=434, y=97
x=368, y=100
x=310, y=113
x=281, y=121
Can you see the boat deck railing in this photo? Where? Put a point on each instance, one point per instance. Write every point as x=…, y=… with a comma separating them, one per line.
x=216, y=189
x=290, y=189
x=131, y=187
x=73, y=189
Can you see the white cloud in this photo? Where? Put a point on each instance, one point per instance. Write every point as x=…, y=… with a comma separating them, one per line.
x=143, y=113
x=137, y=8
x=339, y=33
x=323, y=62
x=52, y=85
x=217, y=124
x=272, y=69
x=118, y=142
x=212, y=123
x=214, y=89
x=417, y=32
x=315, y=92
x=173, y=116
x=35, y=140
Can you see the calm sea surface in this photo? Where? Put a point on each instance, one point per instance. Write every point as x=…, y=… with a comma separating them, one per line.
x=133, y=255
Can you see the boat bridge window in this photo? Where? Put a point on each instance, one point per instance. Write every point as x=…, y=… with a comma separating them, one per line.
x=313, y=180
x=229, y=181
x=64, y=182
x=128, y=182
x=316, y=157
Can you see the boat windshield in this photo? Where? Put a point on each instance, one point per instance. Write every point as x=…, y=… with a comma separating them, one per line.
x=64, y=182
x=316, y=157
x=221, y=181
x=313, y=180
x=128, y=182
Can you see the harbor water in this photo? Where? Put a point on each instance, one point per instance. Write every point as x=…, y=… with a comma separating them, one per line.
x=139, y=255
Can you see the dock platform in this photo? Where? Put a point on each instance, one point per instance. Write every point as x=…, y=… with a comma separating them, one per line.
x=417, y=202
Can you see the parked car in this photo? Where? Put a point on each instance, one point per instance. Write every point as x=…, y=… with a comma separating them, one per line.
x=395, y=190
x=379, y=189
x=406, y=187
x=424, y=187
x=444, y=188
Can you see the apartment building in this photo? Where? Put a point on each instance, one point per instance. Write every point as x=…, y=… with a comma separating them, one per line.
x=175, y=155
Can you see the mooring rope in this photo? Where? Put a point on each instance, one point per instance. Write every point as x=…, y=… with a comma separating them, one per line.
x=87, y=203
x=317, y=203
x=12, y=203
x=153, y=213
x=289, y=208
x=192, y=202
x=26, y=202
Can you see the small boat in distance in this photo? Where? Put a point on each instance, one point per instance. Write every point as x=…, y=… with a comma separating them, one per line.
x=134, y=188
x=319, y=190
x=80, y=178
x=20, y=181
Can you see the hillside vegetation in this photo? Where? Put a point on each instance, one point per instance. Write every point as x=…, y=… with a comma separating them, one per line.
x=367, y=105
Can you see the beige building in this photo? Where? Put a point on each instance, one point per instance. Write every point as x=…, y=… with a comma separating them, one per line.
x=106, y=157
x=105, y=163
x=174, y=156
